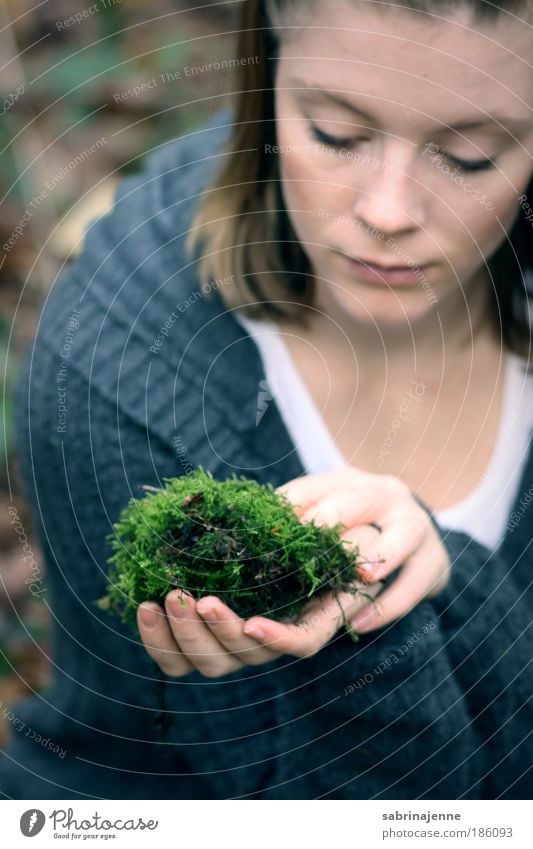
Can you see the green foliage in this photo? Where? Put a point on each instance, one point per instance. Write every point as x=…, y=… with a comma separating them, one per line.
x=236, y=539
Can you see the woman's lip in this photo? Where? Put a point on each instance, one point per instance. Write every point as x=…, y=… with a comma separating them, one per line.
x=379, y=274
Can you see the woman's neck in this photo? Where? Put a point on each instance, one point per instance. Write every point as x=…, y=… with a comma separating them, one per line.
x=433, y=343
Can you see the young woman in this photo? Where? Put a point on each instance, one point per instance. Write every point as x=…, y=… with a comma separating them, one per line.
x=324, y=288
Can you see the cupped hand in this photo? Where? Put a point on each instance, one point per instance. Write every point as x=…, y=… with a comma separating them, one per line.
x=408, y=540
x=204, y=635
x=209, y=637
x=391, y=531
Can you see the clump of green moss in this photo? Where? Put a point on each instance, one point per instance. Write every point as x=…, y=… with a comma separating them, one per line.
x=235, y=539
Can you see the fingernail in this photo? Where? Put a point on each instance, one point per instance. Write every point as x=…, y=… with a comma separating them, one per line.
x=178, y=600
x=208, y=613
x=148, y=617
x=254, y=631
x=366, y=572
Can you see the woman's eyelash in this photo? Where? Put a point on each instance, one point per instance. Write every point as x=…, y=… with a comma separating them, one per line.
x=330, y=141
x=480, y=165
x=464, y=165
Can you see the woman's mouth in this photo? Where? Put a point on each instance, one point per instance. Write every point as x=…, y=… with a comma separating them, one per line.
x=406, y=275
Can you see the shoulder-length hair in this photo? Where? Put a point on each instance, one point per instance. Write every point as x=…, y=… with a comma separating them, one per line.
x=241, y=225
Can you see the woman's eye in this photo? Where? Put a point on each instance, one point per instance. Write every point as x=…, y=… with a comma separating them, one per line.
x=346, y=141
x=330, y=141
x=466, y=165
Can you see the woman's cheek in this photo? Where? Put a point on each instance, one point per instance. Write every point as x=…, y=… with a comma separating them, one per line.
x=470, y=236
x=306, y=191
x=491, y=220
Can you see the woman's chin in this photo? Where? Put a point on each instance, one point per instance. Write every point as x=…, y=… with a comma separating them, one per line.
x=384, y=308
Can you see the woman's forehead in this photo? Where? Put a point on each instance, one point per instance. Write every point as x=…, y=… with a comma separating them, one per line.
x=441, y=67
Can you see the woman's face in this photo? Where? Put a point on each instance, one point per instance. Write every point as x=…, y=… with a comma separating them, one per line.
x=410, y=182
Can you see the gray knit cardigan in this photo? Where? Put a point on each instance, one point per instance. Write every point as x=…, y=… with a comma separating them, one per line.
x=116, y=393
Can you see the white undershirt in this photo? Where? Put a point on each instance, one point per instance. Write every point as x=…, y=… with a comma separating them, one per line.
x=484, y=513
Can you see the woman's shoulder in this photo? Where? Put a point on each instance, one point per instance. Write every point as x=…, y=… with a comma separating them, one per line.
x=131, y=321
x=133, y=274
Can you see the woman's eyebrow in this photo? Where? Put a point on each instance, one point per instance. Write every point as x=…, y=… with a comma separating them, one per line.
x=309, y=92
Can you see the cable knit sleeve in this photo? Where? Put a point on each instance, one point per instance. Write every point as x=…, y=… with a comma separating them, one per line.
x=486, y=614
x=438, y=705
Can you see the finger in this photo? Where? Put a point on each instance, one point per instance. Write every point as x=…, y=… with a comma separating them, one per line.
x=352, y=505
x=196, y=641
x=363, y=541
x=227, y=627
x=336, y=608
x=413, y=584
x=396, y=544
x=335, y=507
x=305, y=491
x=438, y=562
x=315, y=628
x=159, y=641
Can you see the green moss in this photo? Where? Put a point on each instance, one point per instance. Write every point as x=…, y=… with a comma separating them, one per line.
x=235, y=539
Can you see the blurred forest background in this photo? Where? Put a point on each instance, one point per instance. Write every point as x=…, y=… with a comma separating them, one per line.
x=68, y=71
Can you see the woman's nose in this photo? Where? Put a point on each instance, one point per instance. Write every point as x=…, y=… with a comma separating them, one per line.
x=389, y=200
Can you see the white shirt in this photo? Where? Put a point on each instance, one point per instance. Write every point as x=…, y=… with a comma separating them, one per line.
x=483, y=514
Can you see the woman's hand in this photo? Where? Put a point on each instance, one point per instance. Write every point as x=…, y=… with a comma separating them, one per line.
x=205, y=635
x=408, y=540
x=208, y=636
